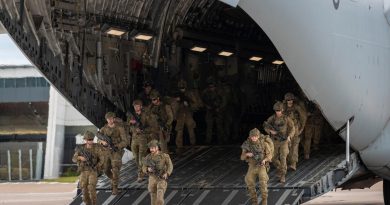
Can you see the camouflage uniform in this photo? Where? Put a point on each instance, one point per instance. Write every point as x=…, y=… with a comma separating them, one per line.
x=113, y=160
x=213, y=102
x=285, y=131
x=184, y=116
x=140, y=135
x=144, y=96
x=157, y=183
x=164, y=118
x=261, y=152
x=88, y=174
x=313, y=130
x=299, y=116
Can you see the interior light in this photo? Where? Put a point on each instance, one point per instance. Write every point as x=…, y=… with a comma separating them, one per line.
x=115, y=31
x=144, y=37
x=198, y=49
x=225, y=53
x=278, y=62
x=255, y=58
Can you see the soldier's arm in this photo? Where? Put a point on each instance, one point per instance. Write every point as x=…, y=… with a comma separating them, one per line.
x=290, y=128
x=100, y=156
x=266, y=128
x=169, y=164
x=169, y=112
x=123, y=137
x=75, y=157
x=267, y=153
x=302, y=116
x=144, y=167
x=243, y=155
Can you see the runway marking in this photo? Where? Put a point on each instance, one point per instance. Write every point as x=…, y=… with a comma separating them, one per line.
x=201, y=197
x=140, y=198
x=170, y=196
x=230, y=197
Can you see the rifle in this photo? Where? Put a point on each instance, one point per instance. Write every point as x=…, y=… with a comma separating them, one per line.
x=132, y=115
x=149, y=163
x=257, y=154
x=87, y=155
x=276, y=129
x=107, y=139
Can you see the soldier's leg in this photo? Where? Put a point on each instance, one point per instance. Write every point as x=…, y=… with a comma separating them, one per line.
x=116, y=167
x=161, y=188
x=179, y=130
x=135, y=150
x=107, y=163
x=92, y=181
x=163, y=142
x=307, y=141
x=275, y=158
x=250, y=180
x=294, y=152
x=283, y=160
x=191, y=124
x=143, y=151
x=152, y=188
x=209, y=130
x=263, y=181
x=84, y=187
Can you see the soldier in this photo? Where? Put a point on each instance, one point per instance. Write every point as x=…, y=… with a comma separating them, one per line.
x=313, y=130
x=114, y=151
x=281, y=128
x=90, y=161
x=158, y=166
x=257, y=153
x=164, y=117
x=184, y=117
x=140, y=130
x=144, y=96
x=298, y=115
x=213, y=102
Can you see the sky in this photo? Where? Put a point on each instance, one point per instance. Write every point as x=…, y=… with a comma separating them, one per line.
x=10, y=53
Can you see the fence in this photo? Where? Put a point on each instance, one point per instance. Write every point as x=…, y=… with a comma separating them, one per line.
x=21, y=161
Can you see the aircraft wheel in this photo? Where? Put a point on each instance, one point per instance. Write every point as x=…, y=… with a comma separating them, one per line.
x=386, y=191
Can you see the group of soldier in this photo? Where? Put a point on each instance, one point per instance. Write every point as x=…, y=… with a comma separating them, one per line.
x=281, y=144
x=149, y=126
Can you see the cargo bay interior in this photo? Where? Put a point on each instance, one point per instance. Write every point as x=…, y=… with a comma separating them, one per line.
x=99, y=53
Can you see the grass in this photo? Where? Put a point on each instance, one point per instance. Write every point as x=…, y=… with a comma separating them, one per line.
x=67, y=179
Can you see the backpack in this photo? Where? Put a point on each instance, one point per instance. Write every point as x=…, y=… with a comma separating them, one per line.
x=268, y=141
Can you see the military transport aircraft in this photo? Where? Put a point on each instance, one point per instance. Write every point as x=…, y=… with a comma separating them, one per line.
x=98, y=52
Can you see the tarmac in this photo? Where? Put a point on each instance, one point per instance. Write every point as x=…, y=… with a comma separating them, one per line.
x=41, y=193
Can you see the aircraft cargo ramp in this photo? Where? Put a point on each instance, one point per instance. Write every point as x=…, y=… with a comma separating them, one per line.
x=215, y=175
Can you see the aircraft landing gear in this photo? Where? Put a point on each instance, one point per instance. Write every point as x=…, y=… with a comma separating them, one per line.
x=386, y=191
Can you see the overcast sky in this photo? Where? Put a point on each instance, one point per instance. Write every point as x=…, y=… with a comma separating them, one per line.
x=10, y=53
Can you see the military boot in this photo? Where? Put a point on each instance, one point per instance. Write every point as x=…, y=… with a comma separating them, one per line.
x=293, y=166
x=114, y=190
x=307, y=156
x=254, y=201
x=283, y=179
x=140, y=177
x=264, y=201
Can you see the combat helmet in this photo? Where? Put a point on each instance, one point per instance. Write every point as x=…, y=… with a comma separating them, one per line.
x=289, y=96
x=154, y=94
x=109, y=115
x=254, y=131
x=278, y=106
x=153, y=143
x=88, y=135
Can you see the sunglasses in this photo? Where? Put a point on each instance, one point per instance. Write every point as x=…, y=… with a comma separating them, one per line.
x=154, y=99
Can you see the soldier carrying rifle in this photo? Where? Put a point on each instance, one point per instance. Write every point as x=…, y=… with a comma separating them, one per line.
x=90, y=159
